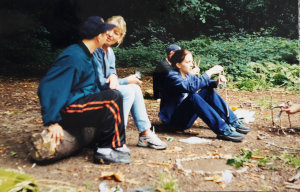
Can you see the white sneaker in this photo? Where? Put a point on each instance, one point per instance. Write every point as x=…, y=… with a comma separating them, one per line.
x=151, y=140
x=123, y=149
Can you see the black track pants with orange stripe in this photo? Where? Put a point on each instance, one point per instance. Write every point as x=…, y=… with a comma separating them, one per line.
x=104, y=111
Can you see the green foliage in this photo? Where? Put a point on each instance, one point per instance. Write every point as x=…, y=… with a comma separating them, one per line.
x=238, y=160
x=167, y=182
x=290, y=159
x=251, y=64
x=13, y=180
x=27, y=48
x=265, y=102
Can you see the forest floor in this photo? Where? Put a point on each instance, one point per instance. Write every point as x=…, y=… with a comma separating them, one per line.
x=20, y=117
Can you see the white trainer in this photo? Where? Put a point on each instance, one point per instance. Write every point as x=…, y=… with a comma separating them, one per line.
x=151, y=140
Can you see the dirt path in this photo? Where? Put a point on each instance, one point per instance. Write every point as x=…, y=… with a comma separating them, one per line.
x=20, y=117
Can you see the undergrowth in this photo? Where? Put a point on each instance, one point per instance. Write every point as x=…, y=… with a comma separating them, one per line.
x=167, y=182
x=258, y=159
x=250, y=64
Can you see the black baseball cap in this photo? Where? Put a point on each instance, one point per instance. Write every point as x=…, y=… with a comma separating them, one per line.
x=93, y=26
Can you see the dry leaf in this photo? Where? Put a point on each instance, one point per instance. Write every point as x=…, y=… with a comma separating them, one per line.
x=158, y=163
x=267, y=187
x=166, y=170
x=291, y=146
x=39, y=122
x=104, y=167
x=256, y=157
x=152, y=166
x=138, y=162
x=216, y=178
x=240, y=185
x=119, y=176
x=106, y=173
x=110, y=175
x=208, y=178
x=249, y=164
x=233, y=108
x=170, y=151
x=223, y=185
x=177, y=148
x=132, y=181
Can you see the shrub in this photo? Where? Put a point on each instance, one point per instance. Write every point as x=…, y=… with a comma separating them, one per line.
x=27, y=48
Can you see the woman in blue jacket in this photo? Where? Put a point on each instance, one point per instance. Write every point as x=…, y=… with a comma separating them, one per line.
x=133, y=100
x=181, y=105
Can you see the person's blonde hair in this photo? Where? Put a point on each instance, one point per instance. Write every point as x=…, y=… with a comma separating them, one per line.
x=120, y=23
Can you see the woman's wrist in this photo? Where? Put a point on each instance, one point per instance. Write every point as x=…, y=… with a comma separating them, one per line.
x=208, y=73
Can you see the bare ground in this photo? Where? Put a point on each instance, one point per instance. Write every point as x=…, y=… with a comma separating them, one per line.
x=20, y=117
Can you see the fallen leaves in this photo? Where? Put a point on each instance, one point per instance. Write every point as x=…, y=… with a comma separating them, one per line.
x=138, y=162
x=190, y=154
x=39, y=121
x=159, y=163
x=118, y=176
x=112, y=175
x=233, y=108
x=2, y=149
x=173, y=150
x=152, y=166
x=105, y=167
x=249, y=164
x=256, y=157
x=132, y=181
x=216, y=178
x=240, y=185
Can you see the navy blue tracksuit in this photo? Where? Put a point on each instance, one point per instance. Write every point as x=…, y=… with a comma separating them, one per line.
x=181, y=105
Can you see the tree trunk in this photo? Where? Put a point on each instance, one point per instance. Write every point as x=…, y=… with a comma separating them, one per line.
x=43, y=149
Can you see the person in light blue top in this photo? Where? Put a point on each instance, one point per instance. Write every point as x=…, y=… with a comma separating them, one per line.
x=133, y=100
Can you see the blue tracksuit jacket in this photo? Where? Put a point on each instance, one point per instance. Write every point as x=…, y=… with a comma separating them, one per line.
x=72, y=76
x=175, y=90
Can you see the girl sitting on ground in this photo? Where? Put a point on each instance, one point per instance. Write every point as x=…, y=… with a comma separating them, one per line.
x=181, y=105
x=133, y=100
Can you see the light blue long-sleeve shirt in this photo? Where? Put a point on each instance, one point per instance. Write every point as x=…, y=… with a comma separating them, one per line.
x=106, y=64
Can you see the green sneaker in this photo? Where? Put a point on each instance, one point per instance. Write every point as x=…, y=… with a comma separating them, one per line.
x=231, y=135
x=240, y=127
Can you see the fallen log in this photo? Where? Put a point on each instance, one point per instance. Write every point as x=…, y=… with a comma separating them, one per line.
x=43, y=149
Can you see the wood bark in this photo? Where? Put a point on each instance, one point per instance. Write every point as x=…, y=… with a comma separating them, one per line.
x=43, y=149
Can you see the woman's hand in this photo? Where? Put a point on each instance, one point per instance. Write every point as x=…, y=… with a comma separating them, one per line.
x=113, y=81
x=133, y=79
x=214, y=70
x=195, y=71
x=294, y=108
x=56, y=132
x=221, y=80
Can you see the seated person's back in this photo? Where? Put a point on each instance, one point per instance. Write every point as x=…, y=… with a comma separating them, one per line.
x=162, y=70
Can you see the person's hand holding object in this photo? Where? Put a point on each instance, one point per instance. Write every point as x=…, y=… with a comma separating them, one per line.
x=214, y=70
